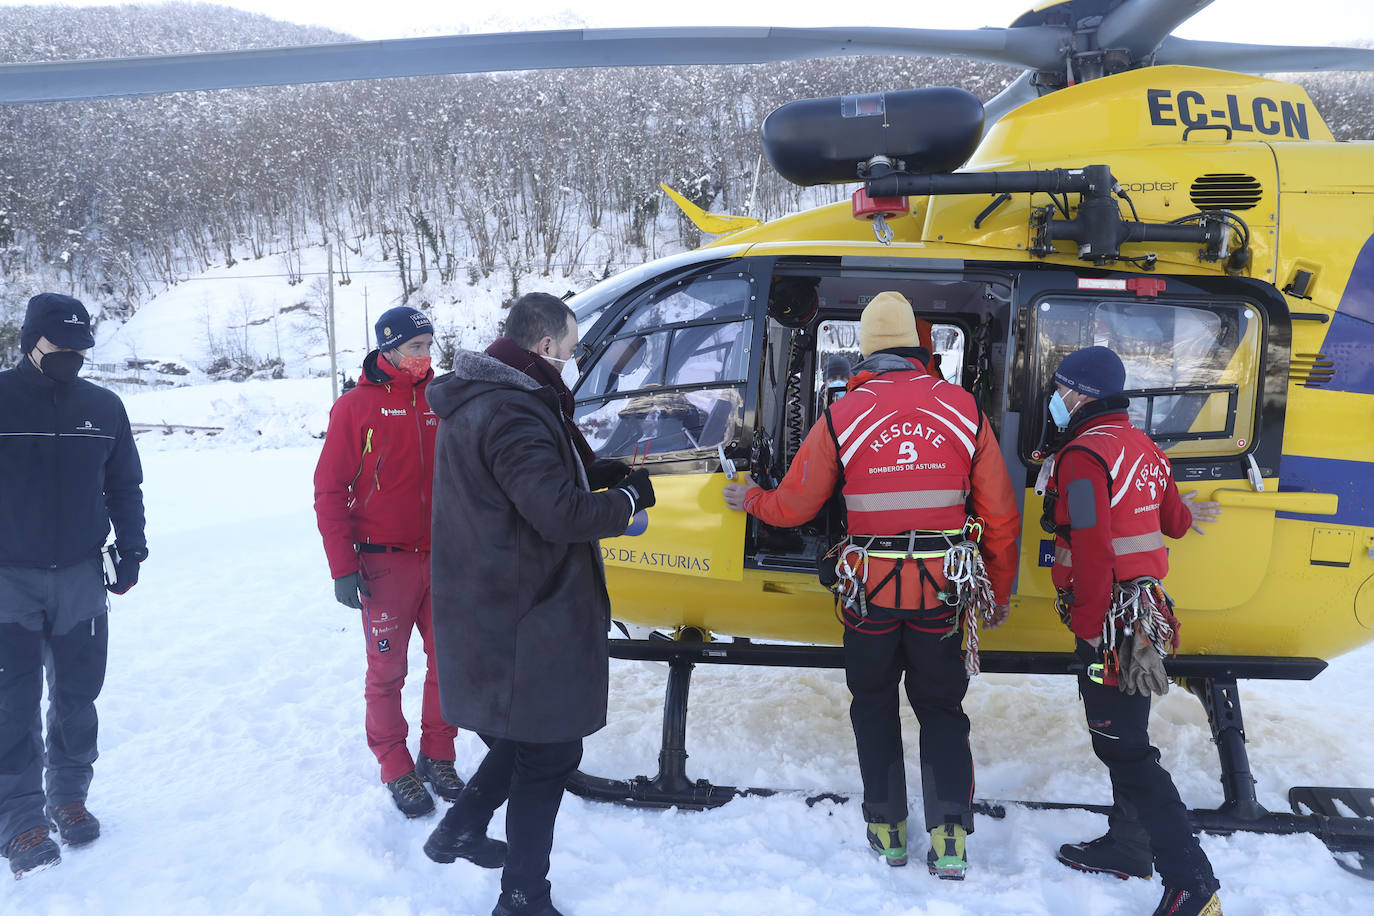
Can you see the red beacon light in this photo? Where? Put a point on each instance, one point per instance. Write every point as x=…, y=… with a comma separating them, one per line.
x=878, y=210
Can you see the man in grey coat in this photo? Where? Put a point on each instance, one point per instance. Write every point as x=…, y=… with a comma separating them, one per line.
x=520, y=606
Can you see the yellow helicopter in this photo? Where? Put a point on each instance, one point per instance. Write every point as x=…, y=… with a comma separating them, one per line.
x=1131, y=189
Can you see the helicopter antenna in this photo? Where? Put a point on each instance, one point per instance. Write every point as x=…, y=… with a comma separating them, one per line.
x=753, y=189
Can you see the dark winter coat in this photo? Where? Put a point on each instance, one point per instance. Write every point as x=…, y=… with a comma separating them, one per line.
x=519, y=592
x=68, y=468
x=375, y=473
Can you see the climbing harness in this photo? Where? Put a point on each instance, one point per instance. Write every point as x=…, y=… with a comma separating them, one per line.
x=968, y=590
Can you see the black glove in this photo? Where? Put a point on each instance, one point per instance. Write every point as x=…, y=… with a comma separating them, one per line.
x=349, y=589
x=126, y=574
x=606, y=472
x=638, y=487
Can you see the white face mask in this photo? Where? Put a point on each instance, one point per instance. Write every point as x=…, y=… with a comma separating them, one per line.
x=567, y=369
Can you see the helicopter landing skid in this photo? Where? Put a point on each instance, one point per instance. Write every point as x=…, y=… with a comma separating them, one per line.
x=1342, y=818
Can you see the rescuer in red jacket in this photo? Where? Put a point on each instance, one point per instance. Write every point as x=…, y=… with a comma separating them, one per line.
x=915, y=460
x=1110, y=500
x=373, y=492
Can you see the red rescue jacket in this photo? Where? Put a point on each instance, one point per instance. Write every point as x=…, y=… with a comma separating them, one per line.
x=374, y=482
x=916, y=454
x=1113, y=494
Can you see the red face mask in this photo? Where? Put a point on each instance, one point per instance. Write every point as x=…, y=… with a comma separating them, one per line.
x=417, y=367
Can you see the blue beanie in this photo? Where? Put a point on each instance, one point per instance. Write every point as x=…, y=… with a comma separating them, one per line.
x=61, y=319
x=1094, y=371
x=399, y=324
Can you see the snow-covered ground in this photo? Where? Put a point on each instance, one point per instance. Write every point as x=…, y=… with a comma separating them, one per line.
x=234, y=777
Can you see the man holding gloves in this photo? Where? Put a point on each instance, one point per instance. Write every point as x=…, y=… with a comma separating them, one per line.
x=1110, y=501
x=68, y=469
x=521, y=611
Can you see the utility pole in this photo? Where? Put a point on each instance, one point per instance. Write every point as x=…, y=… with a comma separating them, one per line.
x=333, y=353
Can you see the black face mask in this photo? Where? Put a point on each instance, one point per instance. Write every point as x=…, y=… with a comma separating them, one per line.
x=61, y=365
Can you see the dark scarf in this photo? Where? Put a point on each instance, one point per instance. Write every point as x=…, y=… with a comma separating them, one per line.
x=538, y=368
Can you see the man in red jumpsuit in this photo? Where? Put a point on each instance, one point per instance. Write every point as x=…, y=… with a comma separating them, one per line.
x=914, y=458
x=373, y=492
x=1110, y=501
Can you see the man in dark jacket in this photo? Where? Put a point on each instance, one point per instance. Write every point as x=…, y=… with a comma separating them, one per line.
x=520, y=606
x=68, y=469
x=373, y=487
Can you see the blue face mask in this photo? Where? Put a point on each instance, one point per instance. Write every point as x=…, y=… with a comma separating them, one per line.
x=1059, y=411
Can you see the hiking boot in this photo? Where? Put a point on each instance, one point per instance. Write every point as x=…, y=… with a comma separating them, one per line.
x=410, y=795
x=1105, y=856
x=454, y=839
x=947, y=858
x=31, y=850
x=517, y=903
x=75, y=824
x=887, y=840
x=1188, y=902
x=441, y=775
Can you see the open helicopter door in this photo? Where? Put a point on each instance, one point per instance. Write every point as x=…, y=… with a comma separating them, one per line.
x=665, y=382
x=1206, y=371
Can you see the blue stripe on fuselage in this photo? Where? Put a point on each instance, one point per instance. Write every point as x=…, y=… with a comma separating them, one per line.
x=1349, y=340
x=1351, y=481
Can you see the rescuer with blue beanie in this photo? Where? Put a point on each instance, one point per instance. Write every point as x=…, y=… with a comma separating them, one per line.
x=1110, y=501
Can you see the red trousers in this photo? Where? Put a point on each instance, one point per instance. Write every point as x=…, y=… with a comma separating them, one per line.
x=399, y=602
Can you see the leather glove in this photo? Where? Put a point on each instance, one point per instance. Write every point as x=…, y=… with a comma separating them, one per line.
x=640, y=489
x=606, y=472
x=126, y=575
x=349, y=589
x=1142, y=670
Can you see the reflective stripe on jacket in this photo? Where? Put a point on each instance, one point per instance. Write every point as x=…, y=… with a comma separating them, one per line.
x=1114, y=494
x=919, y=497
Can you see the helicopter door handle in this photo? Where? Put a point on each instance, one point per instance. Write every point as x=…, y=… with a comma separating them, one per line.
x=1300, y=503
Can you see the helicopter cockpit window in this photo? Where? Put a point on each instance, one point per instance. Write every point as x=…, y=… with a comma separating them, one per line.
x=836, y=339
x=1192, y=370
x=670, y=378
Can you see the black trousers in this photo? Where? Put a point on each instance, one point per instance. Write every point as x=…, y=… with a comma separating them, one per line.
x=75, y=665
x=933, y=664
x=1146, y=807
x=529, y=778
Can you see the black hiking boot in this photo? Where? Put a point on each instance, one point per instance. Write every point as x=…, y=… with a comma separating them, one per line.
x=1189, y=902
x=75, y=824
x=1105, y=856
x=457, y=838
x=516, y=903
x=441, y=775
x=410, y=795
x=31, y=850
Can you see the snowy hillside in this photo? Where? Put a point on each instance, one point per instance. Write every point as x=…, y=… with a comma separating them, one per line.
x=234, y=777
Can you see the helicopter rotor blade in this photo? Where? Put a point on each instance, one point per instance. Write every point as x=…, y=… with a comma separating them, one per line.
x=1244, y=58
x=1139, y=26
x=1036, y=47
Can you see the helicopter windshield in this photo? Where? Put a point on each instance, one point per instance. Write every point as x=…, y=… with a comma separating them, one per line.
x=589, y=304
x=1192, y=369
x=669, y=379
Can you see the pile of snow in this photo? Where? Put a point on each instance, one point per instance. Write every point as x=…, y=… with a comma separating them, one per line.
x=234, y=777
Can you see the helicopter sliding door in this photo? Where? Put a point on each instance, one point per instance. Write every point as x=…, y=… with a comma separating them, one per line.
x=1205, y=363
